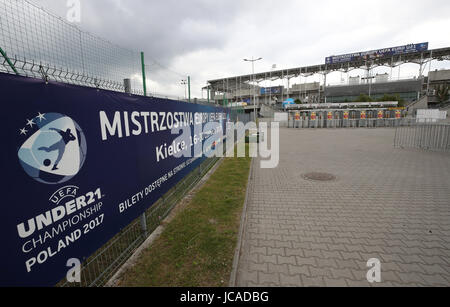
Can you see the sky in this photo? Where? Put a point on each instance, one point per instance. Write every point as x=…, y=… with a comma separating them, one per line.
x=209, y=39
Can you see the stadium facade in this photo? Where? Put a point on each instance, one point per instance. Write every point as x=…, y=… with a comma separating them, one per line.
x=246, y=89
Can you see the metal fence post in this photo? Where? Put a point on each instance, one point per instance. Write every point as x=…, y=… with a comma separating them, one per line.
x=127, y=87
x=3, y=53
x=144, y=224
x=144, y=80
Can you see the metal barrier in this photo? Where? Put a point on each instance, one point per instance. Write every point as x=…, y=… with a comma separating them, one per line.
x=303, y=122
x=424, y=136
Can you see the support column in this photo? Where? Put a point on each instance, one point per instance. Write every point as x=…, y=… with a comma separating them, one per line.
x=428, y=81
x=421, y=66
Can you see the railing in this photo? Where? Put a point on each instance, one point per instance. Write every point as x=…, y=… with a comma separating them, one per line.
x=434, y=137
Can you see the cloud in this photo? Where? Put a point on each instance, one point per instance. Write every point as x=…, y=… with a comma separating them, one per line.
x=208, y=39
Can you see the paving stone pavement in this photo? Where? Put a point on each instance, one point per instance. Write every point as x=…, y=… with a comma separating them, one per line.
x=386, y=203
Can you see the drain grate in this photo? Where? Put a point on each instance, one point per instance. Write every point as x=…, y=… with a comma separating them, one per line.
x=319, y=176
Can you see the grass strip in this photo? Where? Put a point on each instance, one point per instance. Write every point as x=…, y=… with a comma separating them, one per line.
x=197, y=247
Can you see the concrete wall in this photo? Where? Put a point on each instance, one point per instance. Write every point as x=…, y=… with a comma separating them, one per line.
x=439, y=75
x=305, y=87
x=421, y=104
x=246, y=92
x=414, y=85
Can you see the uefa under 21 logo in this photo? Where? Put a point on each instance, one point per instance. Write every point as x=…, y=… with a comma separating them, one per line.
x=55, y=150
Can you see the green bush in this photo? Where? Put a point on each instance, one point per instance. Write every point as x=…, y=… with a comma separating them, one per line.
x=386, y=97
x=363, y=98
x=396, y=97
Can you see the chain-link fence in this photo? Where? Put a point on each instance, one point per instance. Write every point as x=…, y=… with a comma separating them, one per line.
x=39, y=44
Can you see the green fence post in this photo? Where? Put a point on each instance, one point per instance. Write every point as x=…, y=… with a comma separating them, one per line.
x=9, y=61
x=143, y=218
x=143, y=74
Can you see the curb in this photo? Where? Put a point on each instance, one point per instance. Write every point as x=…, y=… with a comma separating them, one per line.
x=237, y=254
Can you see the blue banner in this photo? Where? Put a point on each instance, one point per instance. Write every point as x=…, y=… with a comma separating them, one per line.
x=80, y=164
x=271, y=90
x=374, y=54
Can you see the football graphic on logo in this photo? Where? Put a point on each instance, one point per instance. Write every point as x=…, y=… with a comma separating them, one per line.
x=56, y=150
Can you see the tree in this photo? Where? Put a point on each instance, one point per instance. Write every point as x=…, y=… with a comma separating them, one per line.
x=298, y=101
x=442, y=92
x=363, y=98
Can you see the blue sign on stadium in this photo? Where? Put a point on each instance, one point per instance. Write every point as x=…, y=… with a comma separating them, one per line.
x=271, y=90
x=80, y=164
x=374, y=54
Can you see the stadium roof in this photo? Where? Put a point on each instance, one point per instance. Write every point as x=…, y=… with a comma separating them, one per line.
x=390, y=61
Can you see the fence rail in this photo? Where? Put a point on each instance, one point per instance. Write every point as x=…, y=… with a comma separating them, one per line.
x=429, y=137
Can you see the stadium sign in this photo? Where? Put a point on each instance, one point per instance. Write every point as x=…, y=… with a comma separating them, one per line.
x=271, y=90
x=80, y=164
x=375, y=54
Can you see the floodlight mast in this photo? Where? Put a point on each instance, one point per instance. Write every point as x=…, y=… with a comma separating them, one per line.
x=184, y=82
x=253, y=60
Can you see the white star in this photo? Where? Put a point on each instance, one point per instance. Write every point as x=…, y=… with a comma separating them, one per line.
x=41, y=116
x=23, y=131
x=30, y=123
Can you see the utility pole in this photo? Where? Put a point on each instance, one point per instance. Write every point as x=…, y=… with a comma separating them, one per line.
x=369, y=78
x=253, y=60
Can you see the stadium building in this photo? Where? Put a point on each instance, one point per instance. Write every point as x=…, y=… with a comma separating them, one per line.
x=247, y=89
